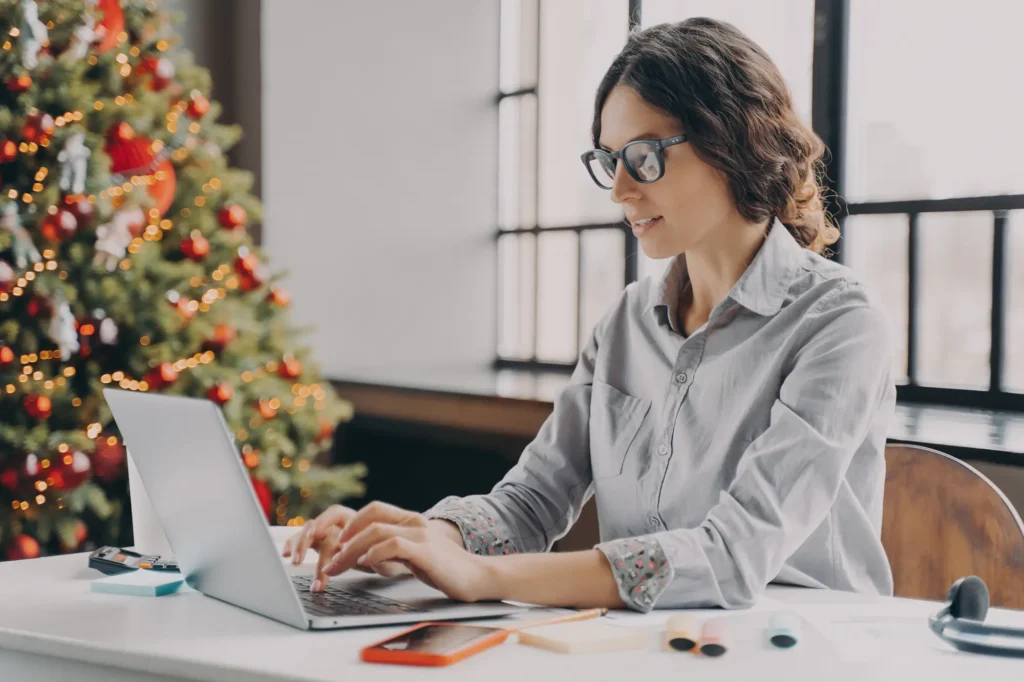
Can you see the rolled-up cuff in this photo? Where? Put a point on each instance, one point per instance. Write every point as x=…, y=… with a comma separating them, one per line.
x=641, y=569
x=482, y=533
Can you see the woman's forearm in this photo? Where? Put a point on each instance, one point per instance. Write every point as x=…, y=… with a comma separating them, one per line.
x=567, y=579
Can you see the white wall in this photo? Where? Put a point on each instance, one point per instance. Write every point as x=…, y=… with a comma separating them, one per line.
x=379, y=176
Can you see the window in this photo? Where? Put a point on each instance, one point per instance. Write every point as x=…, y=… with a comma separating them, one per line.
x=932, y=173
x=920, y=121
x=562, y=246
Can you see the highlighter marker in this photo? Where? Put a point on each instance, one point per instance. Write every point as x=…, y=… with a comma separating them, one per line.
x=713, y=640
x=681, y=633
x=784, y=629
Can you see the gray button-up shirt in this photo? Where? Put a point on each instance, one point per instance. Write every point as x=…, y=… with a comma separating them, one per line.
x=748, y=452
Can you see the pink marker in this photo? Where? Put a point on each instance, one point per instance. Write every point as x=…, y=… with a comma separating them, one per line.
x=713, y=639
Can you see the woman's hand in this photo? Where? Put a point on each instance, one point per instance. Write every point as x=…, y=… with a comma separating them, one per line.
x=380, y=534
x=321, y=535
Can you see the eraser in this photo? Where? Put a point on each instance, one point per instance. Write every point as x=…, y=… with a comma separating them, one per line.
x=784, y=629
x=682, y=633
x=713, y=640
x=139, y=582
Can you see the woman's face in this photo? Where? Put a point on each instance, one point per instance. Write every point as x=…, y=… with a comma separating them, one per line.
x=689, y=201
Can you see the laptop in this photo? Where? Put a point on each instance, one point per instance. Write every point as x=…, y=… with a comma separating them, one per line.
x=200, y=490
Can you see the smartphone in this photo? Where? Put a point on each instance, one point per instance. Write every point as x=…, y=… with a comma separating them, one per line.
x=434, y=644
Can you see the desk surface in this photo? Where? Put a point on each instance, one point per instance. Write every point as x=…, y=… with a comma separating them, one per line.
x=46, y=609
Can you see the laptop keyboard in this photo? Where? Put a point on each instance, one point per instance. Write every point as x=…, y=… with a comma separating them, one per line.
x=335, y=601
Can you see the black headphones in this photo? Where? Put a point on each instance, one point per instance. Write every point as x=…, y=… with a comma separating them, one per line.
x=960, y=622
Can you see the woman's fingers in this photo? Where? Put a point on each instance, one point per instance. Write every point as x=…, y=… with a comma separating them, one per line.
x=373, y=534
x=328, y=548
x=303, y=540
x=313, y=532
x=379, y=512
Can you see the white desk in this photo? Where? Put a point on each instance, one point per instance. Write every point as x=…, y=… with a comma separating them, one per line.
x=53, y=627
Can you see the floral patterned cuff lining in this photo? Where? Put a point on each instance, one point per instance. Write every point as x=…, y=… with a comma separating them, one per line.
x=641, y=570
x=481, y=533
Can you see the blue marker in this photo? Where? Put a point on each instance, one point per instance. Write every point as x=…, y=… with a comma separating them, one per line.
x=784, y=630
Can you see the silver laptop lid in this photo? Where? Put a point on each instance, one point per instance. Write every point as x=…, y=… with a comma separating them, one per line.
x=201, y=493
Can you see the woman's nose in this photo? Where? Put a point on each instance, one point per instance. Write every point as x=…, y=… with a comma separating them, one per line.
x=623, y=185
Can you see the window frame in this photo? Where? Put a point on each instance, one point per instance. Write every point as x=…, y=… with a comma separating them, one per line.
x=828, y=119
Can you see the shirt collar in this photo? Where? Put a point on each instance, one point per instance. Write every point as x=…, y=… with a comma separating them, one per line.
x=761, y=289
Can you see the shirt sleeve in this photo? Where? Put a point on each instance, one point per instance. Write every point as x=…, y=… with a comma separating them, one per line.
x=542, y=495
x=786, y=481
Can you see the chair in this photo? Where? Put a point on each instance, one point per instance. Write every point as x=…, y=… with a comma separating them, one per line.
x=943, y=519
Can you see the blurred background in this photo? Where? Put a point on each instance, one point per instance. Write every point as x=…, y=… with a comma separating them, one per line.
x=419, y=168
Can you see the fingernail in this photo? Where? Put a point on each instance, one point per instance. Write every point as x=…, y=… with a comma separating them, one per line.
x=317, y=585
x=362, y=560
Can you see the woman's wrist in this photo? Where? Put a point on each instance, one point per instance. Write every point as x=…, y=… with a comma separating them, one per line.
x=540, y=579
x=449, y=530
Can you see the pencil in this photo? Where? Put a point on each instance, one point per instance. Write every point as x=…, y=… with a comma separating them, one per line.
x=579, y=615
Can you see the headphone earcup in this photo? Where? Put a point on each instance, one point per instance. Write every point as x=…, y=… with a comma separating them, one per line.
x=968, y=598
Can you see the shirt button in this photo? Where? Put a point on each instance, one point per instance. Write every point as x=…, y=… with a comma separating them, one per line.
x=653, y=521
x=681, y=378
x=662, y=449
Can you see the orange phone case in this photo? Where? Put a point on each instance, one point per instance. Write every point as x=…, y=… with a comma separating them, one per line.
x=372, y=654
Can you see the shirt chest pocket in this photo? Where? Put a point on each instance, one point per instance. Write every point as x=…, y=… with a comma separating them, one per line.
x=615, y=419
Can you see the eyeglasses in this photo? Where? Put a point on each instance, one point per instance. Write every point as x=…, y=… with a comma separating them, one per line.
x=644, y=160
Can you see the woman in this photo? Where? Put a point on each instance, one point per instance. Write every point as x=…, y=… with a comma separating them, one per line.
x=729, y=416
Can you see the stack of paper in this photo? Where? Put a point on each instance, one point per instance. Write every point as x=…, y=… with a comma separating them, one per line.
x=140, y=582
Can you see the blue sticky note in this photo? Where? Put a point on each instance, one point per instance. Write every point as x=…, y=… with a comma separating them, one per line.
x=141, y=582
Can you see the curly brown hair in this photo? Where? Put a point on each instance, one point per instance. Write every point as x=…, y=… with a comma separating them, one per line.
x=738, y=113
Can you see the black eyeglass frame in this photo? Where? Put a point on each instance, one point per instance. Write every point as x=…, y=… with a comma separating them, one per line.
x=659, y=152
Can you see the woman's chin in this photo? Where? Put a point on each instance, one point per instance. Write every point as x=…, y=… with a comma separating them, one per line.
x=656, y=250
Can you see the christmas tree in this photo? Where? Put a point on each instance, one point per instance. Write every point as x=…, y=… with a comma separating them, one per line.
x=125, y=260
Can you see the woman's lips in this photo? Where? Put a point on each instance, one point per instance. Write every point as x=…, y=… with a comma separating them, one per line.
x=640, y=228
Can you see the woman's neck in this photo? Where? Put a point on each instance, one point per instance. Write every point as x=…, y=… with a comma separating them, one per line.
x=715, y=265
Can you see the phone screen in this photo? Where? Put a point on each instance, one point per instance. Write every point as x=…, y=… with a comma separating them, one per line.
x=437, y=640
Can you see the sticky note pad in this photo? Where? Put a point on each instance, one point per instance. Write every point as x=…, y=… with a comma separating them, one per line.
x=586, y=636
x=140, y=583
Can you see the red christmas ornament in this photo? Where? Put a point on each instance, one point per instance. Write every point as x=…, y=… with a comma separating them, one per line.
x=19, y=83
x=195, y=247
x=326, y=430
x=38, y=406
x=263, y=494
x=23, y=547
x=8, y=151
x=279, y=297
x=6, y=357
x=110, y=26
x=81, y=208
x=74, y=468
x=10, y=479
x=160, y=376
x=108, y=459
x=233, y=217
x=38, y=305
x=120, y=132
x=6, y=277
x=164, y=186
x=160, y=69
x=135, y=156
x=182, y=304
x=250, y=270
x=220, y=394
x=198, y=105
x=59, y=226
x=290, y=367
x=38, y=126
x=266, y=409
x=223, y=334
